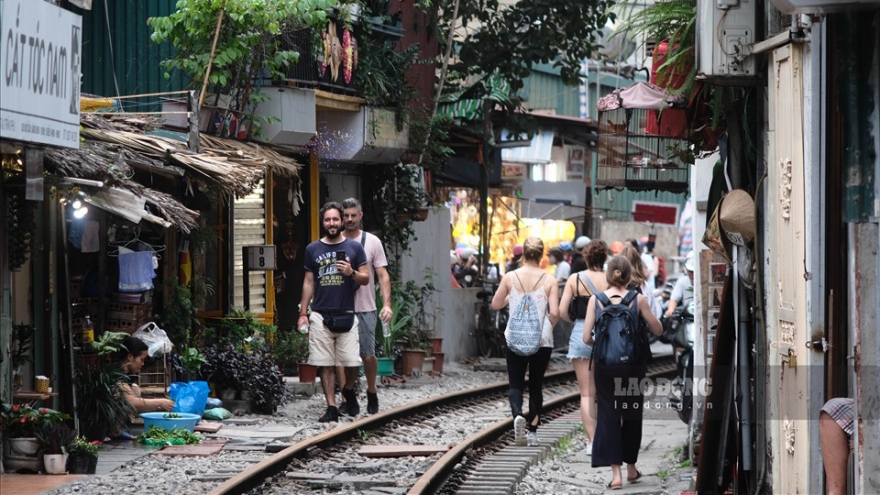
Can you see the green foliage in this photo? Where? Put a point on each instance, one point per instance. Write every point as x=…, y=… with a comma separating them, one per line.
x=382, y=74
x=192, y=360
x=662, y=474
x=290, y=347
x=249, y=45
x=160, y=436
x=514, y=38
x=22, y=341
x=242, y=329
x=82, y=446
x=673, y=21
x=108, y=343
x=364, y=435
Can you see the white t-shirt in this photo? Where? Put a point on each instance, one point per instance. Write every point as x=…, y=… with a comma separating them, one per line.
x=365, y=297
x=648, y=260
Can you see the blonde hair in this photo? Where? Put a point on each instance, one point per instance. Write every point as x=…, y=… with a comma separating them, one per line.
x=619, y=272
x=638, y=268
x=533, y=249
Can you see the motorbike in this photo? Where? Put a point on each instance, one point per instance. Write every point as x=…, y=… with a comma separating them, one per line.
x=683, y=343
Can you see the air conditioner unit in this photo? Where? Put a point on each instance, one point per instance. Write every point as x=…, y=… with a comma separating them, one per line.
x=822, y=6
x=293, y=116
x=724, y=27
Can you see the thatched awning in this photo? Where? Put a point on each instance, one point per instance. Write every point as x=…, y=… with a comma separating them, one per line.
x=114, y=147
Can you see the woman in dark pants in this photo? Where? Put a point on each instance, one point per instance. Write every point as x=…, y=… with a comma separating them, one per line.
x=618, y=395
x=529, y=279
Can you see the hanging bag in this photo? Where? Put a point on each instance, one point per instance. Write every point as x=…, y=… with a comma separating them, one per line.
x=526, y=324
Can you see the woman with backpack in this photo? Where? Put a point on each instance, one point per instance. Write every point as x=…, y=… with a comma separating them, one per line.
x=534, y=309
x=573, y=307
x=619, y=353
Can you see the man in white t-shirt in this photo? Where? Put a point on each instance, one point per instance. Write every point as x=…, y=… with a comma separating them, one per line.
x=365, y=297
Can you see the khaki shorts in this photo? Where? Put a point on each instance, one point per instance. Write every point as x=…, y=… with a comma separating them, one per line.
x=328, y=348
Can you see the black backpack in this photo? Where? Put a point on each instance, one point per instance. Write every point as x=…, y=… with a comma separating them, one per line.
x=617, y=340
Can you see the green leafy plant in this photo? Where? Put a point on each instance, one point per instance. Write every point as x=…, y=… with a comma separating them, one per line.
x=108, y=343
x=102, y=406
x=160, y=436
x=290, y=348
x=249, y=44
x=192, y=360
x=82, y=446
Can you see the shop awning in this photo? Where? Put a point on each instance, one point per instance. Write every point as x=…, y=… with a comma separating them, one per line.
x=458, y=107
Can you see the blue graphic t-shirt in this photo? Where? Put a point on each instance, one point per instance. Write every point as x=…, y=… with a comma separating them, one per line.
x=333, y=290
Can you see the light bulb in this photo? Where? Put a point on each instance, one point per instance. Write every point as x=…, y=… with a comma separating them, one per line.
x=80, y=212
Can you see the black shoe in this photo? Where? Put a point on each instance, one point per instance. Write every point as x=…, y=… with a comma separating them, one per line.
x=372, y=402
x=330, y=416
x=343, y=408
x=352, y=406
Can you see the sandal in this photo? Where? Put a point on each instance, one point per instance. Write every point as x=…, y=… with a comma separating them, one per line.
x=611, y=486
x=636, y=479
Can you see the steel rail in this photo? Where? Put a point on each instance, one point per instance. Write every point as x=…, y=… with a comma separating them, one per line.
x=435, y=477
x=271, y=466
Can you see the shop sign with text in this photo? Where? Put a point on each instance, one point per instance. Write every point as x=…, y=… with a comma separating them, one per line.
x=40, y=52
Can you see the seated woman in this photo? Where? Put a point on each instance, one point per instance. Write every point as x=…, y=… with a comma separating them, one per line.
x=131, y=359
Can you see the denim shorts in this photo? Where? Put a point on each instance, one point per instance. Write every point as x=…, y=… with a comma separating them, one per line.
x=576, y=347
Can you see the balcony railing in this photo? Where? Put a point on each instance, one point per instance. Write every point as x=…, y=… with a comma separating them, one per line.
x=306, y=72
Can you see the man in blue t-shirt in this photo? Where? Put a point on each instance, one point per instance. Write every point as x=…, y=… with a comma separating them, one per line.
x=335, y=268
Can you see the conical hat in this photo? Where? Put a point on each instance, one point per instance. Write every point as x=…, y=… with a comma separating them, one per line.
x=737, y=217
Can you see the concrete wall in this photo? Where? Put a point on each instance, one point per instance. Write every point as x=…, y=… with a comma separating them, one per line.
x=431, y=250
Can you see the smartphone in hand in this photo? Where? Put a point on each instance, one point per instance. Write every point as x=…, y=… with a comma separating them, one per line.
x=340, y=255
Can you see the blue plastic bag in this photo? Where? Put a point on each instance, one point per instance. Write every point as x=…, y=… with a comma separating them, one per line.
x=189, y=397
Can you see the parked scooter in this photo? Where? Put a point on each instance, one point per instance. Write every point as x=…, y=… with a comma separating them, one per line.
x=683, y=343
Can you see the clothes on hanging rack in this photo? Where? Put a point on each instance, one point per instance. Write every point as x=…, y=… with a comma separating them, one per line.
x=136, y=271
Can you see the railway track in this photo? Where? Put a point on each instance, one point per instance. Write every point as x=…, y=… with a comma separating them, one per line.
x=464, y=427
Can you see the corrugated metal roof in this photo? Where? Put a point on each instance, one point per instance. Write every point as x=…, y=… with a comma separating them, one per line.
x=135, y=58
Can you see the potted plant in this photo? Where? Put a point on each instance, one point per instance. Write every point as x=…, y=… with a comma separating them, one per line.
x=83, y=455
x=191, y=362
x=54, y=438
x=265, y=383
x=103, y=408
x=291, y=351
x=19, y=424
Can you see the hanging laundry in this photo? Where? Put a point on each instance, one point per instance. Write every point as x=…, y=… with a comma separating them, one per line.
x=90, y=237
x=136, y=271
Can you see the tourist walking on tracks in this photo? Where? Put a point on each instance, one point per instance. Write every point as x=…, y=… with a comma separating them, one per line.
x=618, y=358
x=365, y=299
x=534, y=298
x=573, y=307
x=335, y=268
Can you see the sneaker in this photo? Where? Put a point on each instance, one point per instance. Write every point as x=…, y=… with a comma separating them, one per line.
x=343, y=407
x=330, y=416
x=532, y=439
x=519, y=431
x=590, y=449
x=372, y=402
x=352, y=407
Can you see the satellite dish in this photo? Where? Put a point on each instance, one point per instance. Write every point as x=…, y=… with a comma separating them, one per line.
x=616, y=49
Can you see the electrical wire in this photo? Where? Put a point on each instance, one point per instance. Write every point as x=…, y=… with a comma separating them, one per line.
x=110, y=41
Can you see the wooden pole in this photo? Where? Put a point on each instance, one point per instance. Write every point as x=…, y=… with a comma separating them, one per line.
x=211, y=58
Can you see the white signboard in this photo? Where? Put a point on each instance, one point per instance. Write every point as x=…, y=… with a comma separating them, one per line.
x=40, y=51
x=260, y=257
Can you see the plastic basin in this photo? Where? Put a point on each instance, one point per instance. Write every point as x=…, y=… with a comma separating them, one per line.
x=186, y=421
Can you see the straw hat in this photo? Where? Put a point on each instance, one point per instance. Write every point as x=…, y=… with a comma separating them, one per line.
x=737, y=217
